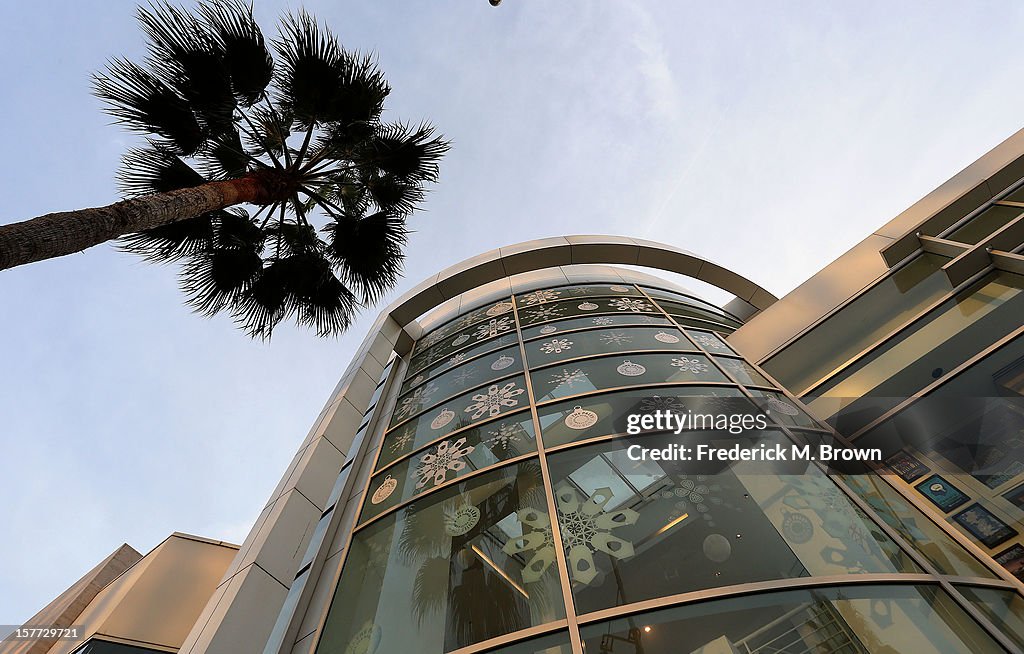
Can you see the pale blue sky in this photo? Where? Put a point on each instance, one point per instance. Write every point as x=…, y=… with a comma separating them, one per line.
x=769, y=137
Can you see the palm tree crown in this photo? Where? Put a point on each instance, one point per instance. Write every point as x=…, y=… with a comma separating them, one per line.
x=330, y=183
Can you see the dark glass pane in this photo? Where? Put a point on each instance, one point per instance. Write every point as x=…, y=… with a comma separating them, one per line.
x=658, y=294
x=475, y=406
x=639, y=529
x=551, y=328
x=459, y=357
x=498, y=309
x=1004, y=608
x=599, y=341
x=544, y=296
x=469, y=450
x=559, y=425
x=443, y=572
x=613, y=372
x=872, y=619
x=783, y=411
x=539, y=313
x=679, y=309
x=552, y=644
x=710, y=341
x=743, y=372
x=478, y=371
x=106, y=647
x=699, y=323
x=464, y=340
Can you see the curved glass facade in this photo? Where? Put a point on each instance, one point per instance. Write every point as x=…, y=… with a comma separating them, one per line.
x=504, y=513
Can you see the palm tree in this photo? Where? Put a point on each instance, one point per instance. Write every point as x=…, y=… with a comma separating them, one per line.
x=300, y=141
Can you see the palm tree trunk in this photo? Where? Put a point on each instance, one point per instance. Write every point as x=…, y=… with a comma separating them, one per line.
x=66, y=232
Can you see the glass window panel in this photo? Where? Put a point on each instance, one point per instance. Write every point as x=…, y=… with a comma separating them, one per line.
x=710, y=341
x=937, y=343
x=599, y=341
x=456, y=359
x=658, y=293
x=889, y=303
x=686, y=321
x=552, y=644
x=610, y=409
x=95, y=646
x=539, y=313
x=984, y=224
x=464, y=340
x=449, y=570
x=475, y=406
x=783, y=411
x=548, y=329
x=924, y=535
x=743, y=372
x=875, y=619
x=624, y=370
x=497, y=309
x=677, y=308
x=469, y=450
x=1004, y=608
x=478, y=371
x=544, y=296
x=705, y=525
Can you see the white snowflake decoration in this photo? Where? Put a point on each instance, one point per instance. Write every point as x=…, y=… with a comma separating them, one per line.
x=603, y=320
x=504, y=435
x=540, y=297
x=431, y=339
x=706, y=340
x=629, y=304
x=457, y=358
x=585, y=527
x=493, y=327
x=556, y=346
x=465, y=375
x=616, y=338
x=402, y=440
x=695, y=366
x=494, y=399
x=569, y=378
x=542, y=313
x=659, y=403
x=413, y=402
x=435, y=465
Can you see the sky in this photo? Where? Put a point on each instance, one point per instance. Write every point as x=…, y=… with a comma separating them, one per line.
x=768, y=137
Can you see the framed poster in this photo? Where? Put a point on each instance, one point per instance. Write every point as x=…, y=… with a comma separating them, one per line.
x=941, y=493
x=984, y=526
x=1012, y=559
x=1016, y=497
x=906, y=466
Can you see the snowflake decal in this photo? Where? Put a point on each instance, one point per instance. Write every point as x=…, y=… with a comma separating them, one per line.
x=431, y=339
x=540, y=297
x=416, y=400
x=603, y=320
x=465, y=375
x=585, y=527
x=569, y=378
x=629, y=304
x=457, y=358
x=402, y=440
x=706, y=340
x=556, y=346
x=695, y=366
x=696, y=494
x=616, y=338
x=493, y=327
x=542, y=313
x=504, y=435
x=494, y=399
x=659, y=403
x=435, y=465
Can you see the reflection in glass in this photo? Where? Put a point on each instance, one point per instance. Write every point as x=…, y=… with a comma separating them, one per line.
x=585, y=322
x=1004, y=608
x=555, y=348
x=438, y=574
x=872, y=619
x=635, y=530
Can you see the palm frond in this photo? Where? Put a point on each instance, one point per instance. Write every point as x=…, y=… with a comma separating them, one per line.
x=369, y=252
x=394, y=195
x=190, y=57
x=216, y=280
x=319, y=82
x=408, y=153
x=248, y=61
x=145, y=104
x=154, y=169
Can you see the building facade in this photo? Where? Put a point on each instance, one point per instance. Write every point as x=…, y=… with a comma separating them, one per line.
x=469, y=487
